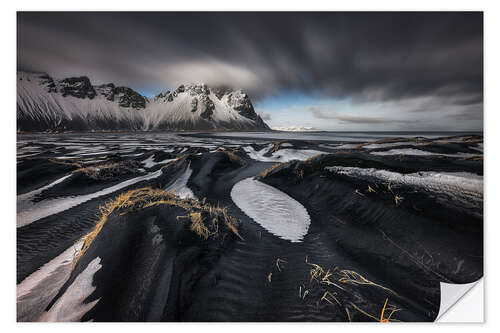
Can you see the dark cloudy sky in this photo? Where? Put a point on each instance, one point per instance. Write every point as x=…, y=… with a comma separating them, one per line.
x=333, y=71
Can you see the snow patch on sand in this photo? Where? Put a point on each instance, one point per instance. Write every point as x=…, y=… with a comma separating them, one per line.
x=346, y=146
x=27, y=285
x=418, y=152
x=282, y=155
x=70, y=306
x=479, y=147
x=30, y=195
x=388, y=144
x=29, y=212
x=274, y=210
x=179, y=186
x=36, y=291
x=149, y=162
x=464, y=188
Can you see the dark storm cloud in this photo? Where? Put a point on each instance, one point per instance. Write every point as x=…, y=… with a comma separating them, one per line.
x=472, y=113
x=320, y=114
x=362, y=56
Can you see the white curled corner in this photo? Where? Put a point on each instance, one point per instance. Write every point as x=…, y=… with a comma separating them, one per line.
x=450, y=295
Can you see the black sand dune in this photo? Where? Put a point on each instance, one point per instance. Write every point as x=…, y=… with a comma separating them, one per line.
x=369, y=241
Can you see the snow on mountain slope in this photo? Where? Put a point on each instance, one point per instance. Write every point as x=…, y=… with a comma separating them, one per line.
x=45, y=104
x=198, y=107
x=41, y=107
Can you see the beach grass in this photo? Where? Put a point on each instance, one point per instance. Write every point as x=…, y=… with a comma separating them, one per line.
x=264, y=173
x=204, y=218
x=234, y=158
x=109, y=170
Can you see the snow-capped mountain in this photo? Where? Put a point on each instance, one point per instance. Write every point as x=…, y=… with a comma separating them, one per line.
x=74, y=104
x=294, y=129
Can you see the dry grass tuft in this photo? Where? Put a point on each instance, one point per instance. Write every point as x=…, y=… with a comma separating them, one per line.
x=363, y=312
x=382, y=317
x=389, y=307
x=183, y=157
x=198, y=227
x=70, y=162
x=109, y=170
x=234, y=158
x=352, y=277
x=361, y=146
x=312, y=158
x=348, y=314
x=330, y=276
x=398, y=199
x=474, y=158
x=466, y=138
x=303, y=295
x=276, y=147
x=145, y=197
x=316, y=272
x=232, y=227
x=279, y=262
x=474, y=140
x=264, y=173
x=326, y=296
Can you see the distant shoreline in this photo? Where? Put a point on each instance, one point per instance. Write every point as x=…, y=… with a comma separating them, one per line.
x=253, y=131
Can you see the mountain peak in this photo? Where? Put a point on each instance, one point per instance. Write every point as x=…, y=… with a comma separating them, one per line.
x=76, y=86
x=75, y=104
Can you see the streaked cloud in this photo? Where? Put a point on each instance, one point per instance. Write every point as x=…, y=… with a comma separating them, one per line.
x=380, y=58
x=318, y=113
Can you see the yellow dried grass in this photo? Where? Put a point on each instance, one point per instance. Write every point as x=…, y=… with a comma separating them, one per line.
x=234, y=158
x=353, y=277
x=148, y=197
x=276, y=146
x=107, y=171
x=264, y=173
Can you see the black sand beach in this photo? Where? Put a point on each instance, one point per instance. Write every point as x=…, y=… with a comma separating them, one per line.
x=376, y=224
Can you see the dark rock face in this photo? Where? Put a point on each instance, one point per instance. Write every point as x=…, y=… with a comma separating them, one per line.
x=180, y=89
x=241, y=103
x=198, y=89
x=221, y=91
x=47, y=81
x=125, y=96
x=79, y=87
x=202, y=92
x=208, y=107
x=163, y=96
x=129, y=98
x=194, y=104
x=107, y=90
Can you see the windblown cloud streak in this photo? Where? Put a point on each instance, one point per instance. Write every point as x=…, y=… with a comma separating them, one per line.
x=317, y=113
x=367, y=57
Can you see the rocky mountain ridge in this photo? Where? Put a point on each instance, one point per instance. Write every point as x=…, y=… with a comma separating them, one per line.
x=75, y=104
